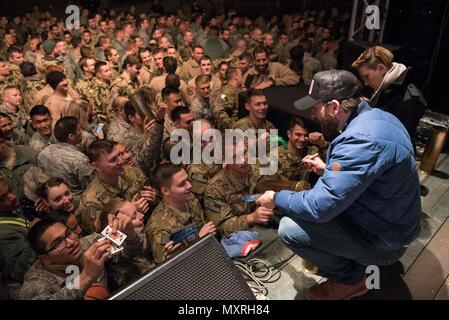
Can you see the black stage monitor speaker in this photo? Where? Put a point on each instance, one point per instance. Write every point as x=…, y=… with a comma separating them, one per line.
x=203, y=271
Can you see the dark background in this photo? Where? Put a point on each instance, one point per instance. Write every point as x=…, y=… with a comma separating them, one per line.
x=413, y=25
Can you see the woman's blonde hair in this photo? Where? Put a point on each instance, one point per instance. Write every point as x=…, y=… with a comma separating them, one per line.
x=79, y=109
x=374, y=56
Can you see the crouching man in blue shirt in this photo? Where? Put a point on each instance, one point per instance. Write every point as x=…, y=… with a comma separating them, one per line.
x=365, y=208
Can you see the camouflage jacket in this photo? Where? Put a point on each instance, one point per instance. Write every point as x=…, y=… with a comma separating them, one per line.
x=102, y=99
x=12, y=170
x=98, y=194
x=290, y=165
x=190, y=69
x=166, y=220
x=124, y=86
x=16, y=255
x=246, y=123
x=39, y=142
x=311, y=66
x=67, y=162
x=199, y=176
x=147, y=156
x=118, y=128
x=201, y=108
x=29, y=87
x=226, y=107
x=86, y=88
x=19, y=118
x=223, y=200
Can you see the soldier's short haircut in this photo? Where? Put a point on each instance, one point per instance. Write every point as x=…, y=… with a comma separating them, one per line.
x=260, y=49
x=230, y=73
x=163, y=177
x=39, y=110
x=172, y=80
x=170, y=64
x=13, y=49
x=118, y=104
x=178, y=112
x=64, y=127
x=99, y=147
x=42, y=189
x=253, y=93
x=98, y=65
x=159, y=50
x=246, y=56
x=28, y=69
x=168, y=91
x=108, y=52
x=130, y=108
x=116, y=31
x=202, y=79
x=296, y=121
x=102, y=40
x=144, y=49
x=85, y=51
x=7, y=88
x=131, y=60
x=222, y=64
x=35, y=234
x=205, y=58
x=87, y=31
x=197, y=47
x=83, y=62
x=4, y=115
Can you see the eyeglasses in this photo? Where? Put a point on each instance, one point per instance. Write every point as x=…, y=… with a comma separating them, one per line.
x=62, y=243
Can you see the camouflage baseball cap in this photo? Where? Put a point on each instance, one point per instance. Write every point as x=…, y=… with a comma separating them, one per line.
x=329, y=85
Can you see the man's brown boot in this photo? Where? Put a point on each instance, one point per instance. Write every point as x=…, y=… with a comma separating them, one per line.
x=331, y=290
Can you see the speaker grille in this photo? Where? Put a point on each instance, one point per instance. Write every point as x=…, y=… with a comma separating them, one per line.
x=201, y=272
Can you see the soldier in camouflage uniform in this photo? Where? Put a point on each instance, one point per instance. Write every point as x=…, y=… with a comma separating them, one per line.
x=9, y=132
x=16, y=74
x=311, y=64
x=200, y=173
x=226, y=106
x=290, y=159
x=46, y=279
x=31, y=85
x=16, y=255
x=224, y=193
x=12, y=100
x=86, y=84
x=127, y=83
x=102, y=91
x=99, y=192
x=17, y=160
x=178, y=209
x=191, y=68
x=118, y=126
x=64, y=160
x=123, y=269
x=201, y=106
x=6, y=77
x=257, y=106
